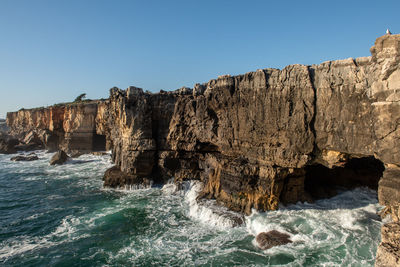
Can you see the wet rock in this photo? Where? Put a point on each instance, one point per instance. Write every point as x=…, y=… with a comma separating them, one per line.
x=29, y=157
x=59, y=158
x=115, y=178
x=266, y=240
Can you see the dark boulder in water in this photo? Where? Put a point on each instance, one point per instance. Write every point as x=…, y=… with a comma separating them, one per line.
x=59, y=158
x=29, y=157
x=266, y=240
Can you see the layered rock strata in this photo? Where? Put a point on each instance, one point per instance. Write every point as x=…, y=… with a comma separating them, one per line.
x=70, y=127
x=254, y=140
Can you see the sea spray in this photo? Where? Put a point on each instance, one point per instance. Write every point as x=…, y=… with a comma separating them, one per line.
x=205, y=211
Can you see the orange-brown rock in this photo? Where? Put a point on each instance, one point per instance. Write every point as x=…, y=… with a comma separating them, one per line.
x=71, y=127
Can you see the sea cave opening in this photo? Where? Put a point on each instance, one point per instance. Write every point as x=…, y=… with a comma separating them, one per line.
x=323, y=182
x=99, y=142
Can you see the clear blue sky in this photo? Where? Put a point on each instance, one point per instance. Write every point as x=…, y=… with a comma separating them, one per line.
x=51, y=51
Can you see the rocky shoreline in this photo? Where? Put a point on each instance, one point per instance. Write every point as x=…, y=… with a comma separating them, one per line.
x=253, y=140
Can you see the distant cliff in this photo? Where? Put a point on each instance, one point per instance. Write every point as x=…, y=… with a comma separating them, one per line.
x=254, y=140
x=70, y=127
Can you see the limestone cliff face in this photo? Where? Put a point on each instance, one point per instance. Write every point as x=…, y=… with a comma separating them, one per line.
x=70, y=127
x=241, y=135
x=256, y=139
x=250, y=137
x=270, y=135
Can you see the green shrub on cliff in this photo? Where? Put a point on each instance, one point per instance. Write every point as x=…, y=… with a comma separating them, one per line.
x=80, y=97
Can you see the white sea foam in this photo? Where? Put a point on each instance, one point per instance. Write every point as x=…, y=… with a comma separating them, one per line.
x=169, y=189
x=205, y=211
x=208, y=211
x=326, y=223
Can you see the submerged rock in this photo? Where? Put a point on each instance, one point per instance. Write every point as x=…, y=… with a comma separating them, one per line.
x=59, y=158
x=266, y=240
x=29, y=157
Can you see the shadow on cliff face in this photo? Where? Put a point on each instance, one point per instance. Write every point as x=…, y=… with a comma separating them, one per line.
x=322, y=182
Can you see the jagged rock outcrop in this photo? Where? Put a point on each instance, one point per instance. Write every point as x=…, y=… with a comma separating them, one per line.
x=254, y=140
x=250, y=138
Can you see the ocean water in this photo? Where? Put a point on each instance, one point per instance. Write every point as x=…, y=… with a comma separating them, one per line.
x=62, y=216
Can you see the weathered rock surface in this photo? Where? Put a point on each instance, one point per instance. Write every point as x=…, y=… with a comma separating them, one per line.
x=266, y=240
x=60, y=157
x=115, y=178
x=254, y=140
x=388, y=254
x=7, y=145
x=70, y=127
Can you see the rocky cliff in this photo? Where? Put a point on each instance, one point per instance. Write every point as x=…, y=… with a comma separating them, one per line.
x=254, y=140
x=70, y=127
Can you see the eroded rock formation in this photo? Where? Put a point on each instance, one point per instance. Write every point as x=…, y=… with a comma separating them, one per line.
x=254, y=139
x=251, y=138
x=70, y=127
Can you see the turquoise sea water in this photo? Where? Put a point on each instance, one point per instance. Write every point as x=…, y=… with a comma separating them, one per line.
x=61, y=216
